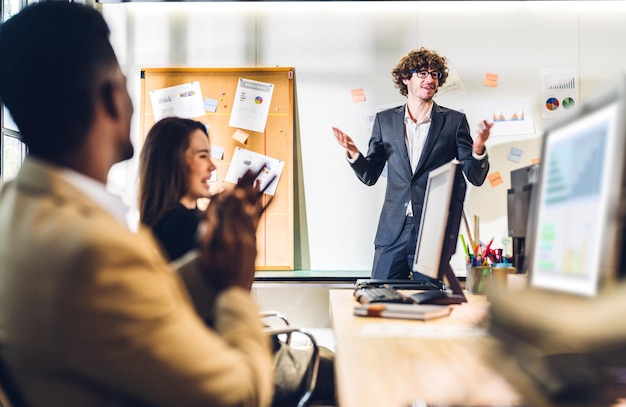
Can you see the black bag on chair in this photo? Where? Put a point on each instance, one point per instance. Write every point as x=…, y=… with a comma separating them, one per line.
x=290, y=374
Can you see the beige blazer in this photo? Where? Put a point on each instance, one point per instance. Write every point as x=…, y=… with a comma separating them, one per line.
x=91, y=314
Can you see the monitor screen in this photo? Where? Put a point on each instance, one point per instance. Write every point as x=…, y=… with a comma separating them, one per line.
x=575, y=235
x=439, y=224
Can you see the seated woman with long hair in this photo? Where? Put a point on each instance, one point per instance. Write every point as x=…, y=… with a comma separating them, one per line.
x=175, y=168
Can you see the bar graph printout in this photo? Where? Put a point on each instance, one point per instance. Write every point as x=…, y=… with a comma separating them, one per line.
x=560, y=91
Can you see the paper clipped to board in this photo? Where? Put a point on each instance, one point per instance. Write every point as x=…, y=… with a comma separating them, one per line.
x=405, y=311
x=244, y=160
x=251, y=105
x=184, y=100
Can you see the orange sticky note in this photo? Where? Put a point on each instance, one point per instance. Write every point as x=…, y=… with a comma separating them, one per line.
x=241, y=136
x=491, y=80
x=535, y=161
x=358, y=95
x=495, y=179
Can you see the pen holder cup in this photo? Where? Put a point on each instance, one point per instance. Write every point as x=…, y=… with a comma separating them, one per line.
x=479, y=280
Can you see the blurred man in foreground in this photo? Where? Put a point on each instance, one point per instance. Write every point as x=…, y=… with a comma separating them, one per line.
x=90, y=313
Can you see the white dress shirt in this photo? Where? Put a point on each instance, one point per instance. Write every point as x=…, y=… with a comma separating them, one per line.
x=415, y=137
x=98, y=193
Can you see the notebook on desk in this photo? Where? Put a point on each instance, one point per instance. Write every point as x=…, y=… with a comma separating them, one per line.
x=403, y=311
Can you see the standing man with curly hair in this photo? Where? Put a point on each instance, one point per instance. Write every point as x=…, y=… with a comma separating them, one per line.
x=412, y=140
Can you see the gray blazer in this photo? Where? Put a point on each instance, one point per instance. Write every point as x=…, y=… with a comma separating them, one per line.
x=448, y=138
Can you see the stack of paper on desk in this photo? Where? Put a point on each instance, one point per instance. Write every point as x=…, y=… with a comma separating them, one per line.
x=406, y=311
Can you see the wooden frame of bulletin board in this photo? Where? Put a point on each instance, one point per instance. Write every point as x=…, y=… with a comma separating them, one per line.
x=275, y=234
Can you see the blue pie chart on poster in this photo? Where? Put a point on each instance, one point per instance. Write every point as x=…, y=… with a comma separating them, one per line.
x=552, y=104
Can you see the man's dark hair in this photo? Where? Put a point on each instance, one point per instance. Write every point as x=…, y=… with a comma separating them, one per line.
x=54, y=56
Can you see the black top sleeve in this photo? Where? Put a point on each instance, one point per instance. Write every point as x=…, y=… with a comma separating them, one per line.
x=177, y=231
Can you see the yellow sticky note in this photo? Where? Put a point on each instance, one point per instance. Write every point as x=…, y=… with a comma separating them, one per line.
x=241, y=136
x=358, y=95
x=491, y=80
x=495, y=179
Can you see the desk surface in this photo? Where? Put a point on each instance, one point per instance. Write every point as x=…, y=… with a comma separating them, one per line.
x=394, y=362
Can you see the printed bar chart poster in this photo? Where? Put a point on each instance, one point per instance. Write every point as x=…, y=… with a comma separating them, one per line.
x=510, y=117
x=559, y=90
x=183, y=100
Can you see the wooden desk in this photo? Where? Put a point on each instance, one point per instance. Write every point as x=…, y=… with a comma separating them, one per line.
x=383, y=362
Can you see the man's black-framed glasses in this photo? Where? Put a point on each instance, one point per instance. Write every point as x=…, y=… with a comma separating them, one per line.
x=423, y=74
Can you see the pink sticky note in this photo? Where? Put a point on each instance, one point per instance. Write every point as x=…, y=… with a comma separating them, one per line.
x=358, y=95
x=491, y=80
x=495, y=179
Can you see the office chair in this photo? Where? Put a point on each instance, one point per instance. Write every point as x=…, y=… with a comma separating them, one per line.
x=293, y=359
x=290, y=363
x=268, y=316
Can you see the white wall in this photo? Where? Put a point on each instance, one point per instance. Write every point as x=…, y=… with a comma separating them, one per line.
x=336, y=47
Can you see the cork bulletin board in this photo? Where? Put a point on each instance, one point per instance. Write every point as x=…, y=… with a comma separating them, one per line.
x=219, y=91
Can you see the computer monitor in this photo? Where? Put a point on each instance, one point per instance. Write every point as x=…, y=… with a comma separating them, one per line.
x=439, y=226
x=578, y=221
x=518, y=202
